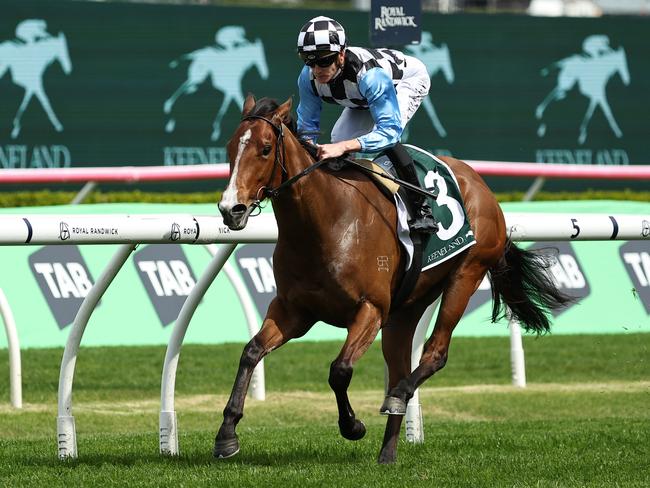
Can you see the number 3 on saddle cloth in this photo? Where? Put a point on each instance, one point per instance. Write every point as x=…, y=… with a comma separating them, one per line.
x=454, y=233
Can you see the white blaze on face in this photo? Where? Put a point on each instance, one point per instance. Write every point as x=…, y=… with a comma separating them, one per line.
x=229, y=197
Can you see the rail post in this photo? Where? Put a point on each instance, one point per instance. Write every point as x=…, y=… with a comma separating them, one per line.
x=65, y=427
x=15, y=371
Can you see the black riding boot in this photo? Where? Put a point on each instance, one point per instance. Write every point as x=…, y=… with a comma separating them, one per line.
x=422, y=219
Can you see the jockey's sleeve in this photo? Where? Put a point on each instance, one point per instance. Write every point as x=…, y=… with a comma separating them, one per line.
x=309, y=107
x=378, y=89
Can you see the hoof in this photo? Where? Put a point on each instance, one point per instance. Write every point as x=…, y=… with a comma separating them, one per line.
x=356, y=432
x=226, y=448
x=387, y=458
x=393, y=406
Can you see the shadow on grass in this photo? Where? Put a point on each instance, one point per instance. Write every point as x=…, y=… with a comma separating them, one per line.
x=335, y=454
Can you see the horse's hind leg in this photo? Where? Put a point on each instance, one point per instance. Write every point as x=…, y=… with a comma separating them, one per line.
x=361, y=334
x=23, y=105
x=461, y=286
x=186, y=87
x=397, y=342
x=278, y=327
x=555, y=94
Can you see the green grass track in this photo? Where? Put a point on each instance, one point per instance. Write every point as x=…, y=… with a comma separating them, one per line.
x=583, y=420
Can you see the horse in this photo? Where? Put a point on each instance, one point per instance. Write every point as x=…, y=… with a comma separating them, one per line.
x=211, y=62
x=338, y=260
x=27, y=63
x=591, y=74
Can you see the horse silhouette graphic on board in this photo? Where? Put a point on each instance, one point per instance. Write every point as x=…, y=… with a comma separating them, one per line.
x=225, y=64
x=27, y=58
x=590, y=71
x=436, y=59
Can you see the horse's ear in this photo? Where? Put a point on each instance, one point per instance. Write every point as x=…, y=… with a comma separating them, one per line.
x=283, y=112
x=249, y=103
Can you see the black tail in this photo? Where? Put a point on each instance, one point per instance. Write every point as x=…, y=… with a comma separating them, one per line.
x=522, y=280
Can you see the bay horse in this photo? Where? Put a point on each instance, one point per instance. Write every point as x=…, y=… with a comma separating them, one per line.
x=338, y=260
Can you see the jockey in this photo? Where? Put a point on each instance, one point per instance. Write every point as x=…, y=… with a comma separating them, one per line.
x=380, y=90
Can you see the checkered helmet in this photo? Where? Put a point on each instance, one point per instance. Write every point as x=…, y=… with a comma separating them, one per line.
x=321, y=36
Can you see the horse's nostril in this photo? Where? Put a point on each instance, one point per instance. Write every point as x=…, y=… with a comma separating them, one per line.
x=239, y=209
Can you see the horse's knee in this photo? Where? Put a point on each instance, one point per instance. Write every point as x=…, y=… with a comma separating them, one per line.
x=340, y=375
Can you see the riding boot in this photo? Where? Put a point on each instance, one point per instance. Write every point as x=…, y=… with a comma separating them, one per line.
x=421, y=217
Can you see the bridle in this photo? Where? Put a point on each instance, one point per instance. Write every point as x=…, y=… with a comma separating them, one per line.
x=280, y=156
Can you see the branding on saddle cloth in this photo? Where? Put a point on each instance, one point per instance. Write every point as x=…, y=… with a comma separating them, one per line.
x=454, y=233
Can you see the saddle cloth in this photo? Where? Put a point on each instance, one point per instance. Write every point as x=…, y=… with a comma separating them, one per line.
x=454, y=233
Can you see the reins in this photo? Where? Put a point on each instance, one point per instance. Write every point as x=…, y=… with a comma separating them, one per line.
x=280, y=157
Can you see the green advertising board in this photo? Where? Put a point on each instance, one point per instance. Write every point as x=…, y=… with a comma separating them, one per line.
x=95, y=83
x=45, y=285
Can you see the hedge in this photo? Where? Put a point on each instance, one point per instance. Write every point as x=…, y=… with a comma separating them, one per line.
x=47, y=197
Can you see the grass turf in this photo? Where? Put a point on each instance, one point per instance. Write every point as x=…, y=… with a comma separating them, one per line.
x=582, y=421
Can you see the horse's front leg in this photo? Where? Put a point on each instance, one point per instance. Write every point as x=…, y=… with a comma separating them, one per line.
x=610, y=116
x=45, y=102
x=278, y=327
x=361, y=333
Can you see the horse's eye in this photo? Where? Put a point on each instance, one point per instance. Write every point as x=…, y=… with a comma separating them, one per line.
x=266, y=150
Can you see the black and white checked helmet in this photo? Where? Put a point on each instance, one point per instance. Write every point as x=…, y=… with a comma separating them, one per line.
x=321, y=35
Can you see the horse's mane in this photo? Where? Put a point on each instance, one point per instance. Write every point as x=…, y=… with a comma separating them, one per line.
x=266, y=106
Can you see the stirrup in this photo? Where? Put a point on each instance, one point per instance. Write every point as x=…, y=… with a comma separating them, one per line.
x=424, y=221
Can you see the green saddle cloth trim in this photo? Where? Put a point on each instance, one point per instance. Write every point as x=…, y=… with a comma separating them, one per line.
x=454, y=233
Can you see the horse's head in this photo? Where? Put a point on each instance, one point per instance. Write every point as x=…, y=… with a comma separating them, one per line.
x=61, y=53
x=434, y=57
x=256, y=155
x=445, y=64
x=621, y=65
x=260, y=59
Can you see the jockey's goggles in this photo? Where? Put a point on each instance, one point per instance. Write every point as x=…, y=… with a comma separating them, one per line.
x=322, y=62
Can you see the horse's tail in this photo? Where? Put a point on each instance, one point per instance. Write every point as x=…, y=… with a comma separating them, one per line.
x=545, y=71
x=553, y=66
x=176, y=62
x=523, y=281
